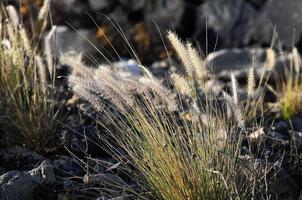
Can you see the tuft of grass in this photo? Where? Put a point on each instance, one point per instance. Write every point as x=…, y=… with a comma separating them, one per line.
x=289, y=88
x=27, y=109
x=190, y=150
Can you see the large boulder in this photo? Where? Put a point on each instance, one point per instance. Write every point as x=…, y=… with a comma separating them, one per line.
x=286, y=16
x=239, y=23
x=239, y=61
x=16, y=185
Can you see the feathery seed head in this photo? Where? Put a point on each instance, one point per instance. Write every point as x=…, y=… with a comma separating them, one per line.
x=13, y=16
x=234, y=88
x=48, y=50
x=197, y=62
x=181, y=84
x=44, y=10
x=25, y=40
x=251, y=82
x=181, y=52
x=42, y=72
x=296, y=60
x=270, y=59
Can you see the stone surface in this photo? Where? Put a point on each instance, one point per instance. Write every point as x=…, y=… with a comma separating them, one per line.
x=297, y=124
x=164, y=12
x=99, y=4
x=80, y=139
x=239, y=23
x=236, y=60
x=16, y=185
x=44, y=173
x=67, y=40
x=235, y=22
x=286, y=16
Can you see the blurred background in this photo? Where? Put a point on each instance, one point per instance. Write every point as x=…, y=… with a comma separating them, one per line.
x=211, y=24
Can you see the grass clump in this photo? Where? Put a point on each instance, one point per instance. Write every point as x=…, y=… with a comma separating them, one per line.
x=181, y=144
x=26, y=106
x=289, y=88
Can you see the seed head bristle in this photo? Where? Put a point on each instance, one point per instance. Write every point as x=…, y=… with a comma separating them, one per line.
x=296, y=60
x=181, y=51
x=25, y=40
x=160, y=91
x=234, y=89
x=270, y=58
x=42, y=72
x=13, y=16
x=181, y=84
x=43, y=13
x=237, y=112
x=251, y=82
x=48, y=50
x=10, y=32
x=196, y=61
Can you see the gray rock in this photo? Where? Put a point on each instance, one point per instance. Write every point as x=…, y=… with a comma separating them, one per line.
x=44, y=173
x=164, y=12
x=238, y=23
x=286, y=16
x=17, y=154
x=67, y=165
x=276, y=135
x=235, y=21
x=281, y=126
x=286, y=187
x=99, y=4
x=7, y=176
x=77, y=140
x=134, y=4
x=103, y=178
x=16, y=185
x=130, y=66
x=236, y=60
x=239, y=61
x=297, y=124
x=277, y=138
x=67, y=40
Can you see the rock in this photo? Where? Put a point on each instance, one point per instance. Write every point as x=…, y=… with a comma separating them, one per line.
x=130, y=66
x=67, y=40
x=238, y=61
x=282, y=126
x=71, y=11
x=286, y=16
x=16, y=157
x=286, y=187
x=159, y=68
x=276, y=135
x=297, y=124
x=43, y=173
x=134, y=5
x=16, y=185
x=235, y=21
x=99, y=4
x=239, y=23
x=81, y=139
x=164, y=12
x=67, y=166
x=257, y=3
x=297, y=138
x=106, y=178
x=277, y=138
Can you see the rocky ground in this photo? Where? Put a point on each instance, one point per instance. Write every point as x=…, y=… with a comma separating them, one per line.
x=237, y=34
